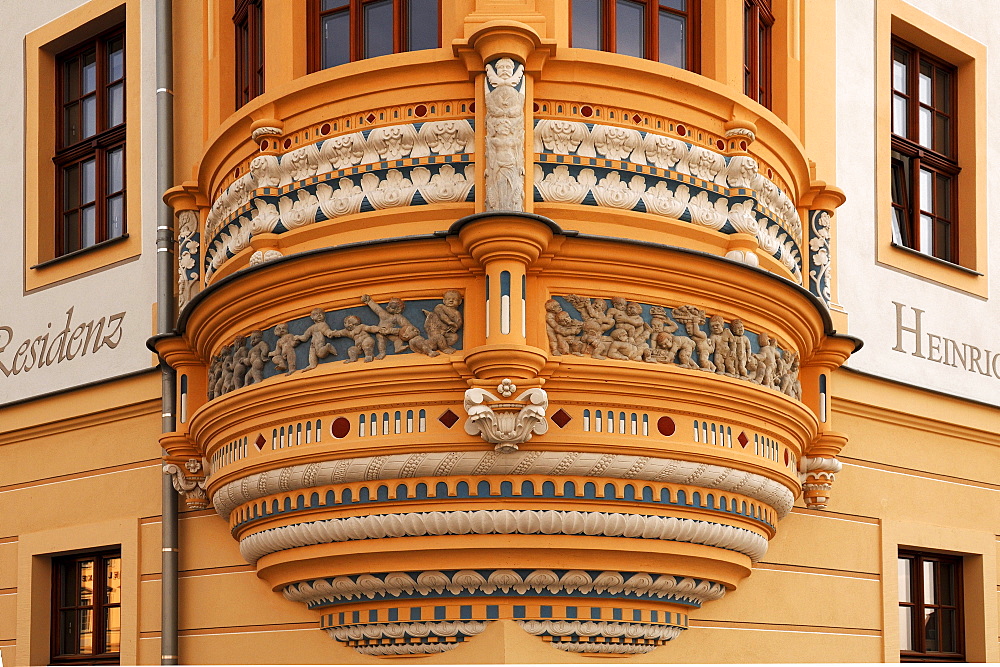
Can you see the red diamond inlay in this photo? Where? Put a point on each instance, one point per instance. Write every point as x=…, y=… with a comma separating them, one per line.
x=743, y=439
x=260, y=441
x=448, y=418
x=561, y=418
x=370, y=118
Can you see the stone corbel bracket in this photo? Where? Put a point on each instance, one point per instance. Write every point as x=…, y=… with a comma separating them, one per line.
x=189, y=480
x=818, y=469
x=505, y=422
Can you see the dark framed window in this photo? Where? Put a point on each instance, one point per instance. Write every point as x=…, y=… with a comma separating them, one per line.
x=664, y=30
x=931, y=627
x=249, y=22
x=86, y=609
x=757, y=23
x=346, y=30
x=90, y=160
x=924, y=162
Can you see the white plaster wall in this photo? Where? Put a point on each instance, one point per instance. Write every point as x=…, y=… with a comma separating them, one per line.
x=867, y=289
x=129, y=287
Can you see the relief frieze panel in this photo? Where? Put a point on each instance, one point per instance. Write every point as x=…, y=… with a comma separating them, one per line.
x=685, y=336
x=367, y=333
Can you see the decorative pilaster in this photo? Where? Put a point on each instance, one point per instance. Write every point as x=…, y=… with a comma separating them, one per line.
x=188, y=256
x=821, y=201
x=504, y=135
x=820, y=258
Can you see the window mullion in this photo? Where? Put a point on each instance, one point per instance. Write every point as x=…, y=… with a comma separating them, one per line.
x=399, y=16
x=608, y=24
x=356, y=26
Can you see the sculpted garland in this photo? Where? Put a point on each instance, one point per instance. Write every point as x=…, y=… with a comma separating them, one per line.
x=243, y=362
x=622, y=332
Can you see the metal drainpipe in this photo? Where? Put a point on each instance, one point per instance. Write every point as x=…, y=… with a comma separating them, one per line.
x=166, y=317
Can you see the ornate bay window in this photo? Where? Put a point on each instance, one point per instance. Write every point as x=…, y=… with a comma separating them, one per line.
x=666, y=31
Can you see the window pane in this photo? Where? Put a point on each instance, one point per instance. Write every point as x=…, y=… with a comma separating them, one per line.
x=924, y=83
x=116, y=104
x=942, y=134
x=948, y=623
x=943, y=209
x=116, y=170
x=926, y=204
x=113, y=583
x=942, y=240
x=71, y=127
x=112, y=629
x=946, y=571
x=86, y=637
x=378, y=28
x=899, y=71
x=67, y=636
x=89, y=116
x=85, y=582
x=116, y=59
x=679, y=5
x=71, y=79
x=630, y=33
x=930, y=571
x=89, y=64
x=71, y=187
x=925, y=127
x=926, y=231
x=942, y=92
x=423, y=29
x=586, y=24
x=931, y=633
x=336, y=32
x=71, y=242
x=906, y=628
x=88, y=181
x=899, y=115
x=89, y=233
x=903, y=578
x=673, y=40
x=334, y=4
x=116, y=216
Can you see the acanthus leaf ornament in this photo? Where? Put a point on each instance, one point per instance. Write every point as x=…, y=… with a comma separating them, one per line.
x=504, y=422
x=189, y=482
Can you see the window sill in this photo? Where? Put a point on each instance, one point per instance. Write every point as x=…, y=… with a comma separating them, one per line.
x=938, y=260
x=81, y=251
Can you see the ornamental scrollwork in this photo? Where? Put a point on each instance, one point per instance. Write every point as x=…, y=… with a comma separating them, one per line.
x=504, y=421
x=188, y=257
x=820, y=260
